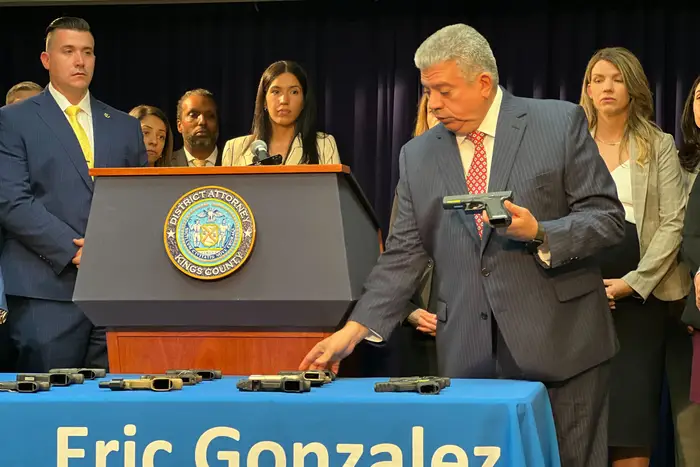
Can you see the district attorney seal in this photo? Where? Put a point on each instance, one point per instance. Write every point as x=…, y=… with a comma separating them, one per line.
x=209, y=232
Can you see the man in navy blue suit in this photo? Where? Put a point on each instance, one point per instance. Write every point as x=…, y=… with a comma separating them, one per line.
x=47, y=144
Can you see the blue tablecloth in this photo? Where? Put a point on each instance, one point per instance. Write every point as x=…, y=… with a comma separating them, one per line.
x=344, y=423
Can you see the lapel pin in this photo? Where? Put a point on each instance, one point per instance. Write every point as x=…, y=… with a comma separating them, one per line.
x=106, y=115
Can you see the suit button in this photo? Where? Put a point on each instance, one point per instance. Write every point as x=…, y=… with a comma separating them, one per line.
x=485, y=272
x=484, y=316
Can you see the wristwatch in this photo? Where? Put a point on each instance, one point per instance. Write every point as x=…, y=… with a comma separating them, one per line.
x=539, y=239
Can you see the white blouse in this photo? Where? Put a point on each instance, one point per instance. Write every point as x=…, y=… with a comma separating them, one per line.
x=623, y=180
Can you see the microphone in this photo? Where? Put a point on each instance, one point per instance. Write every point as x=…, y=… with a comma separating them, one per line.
x=260, y=155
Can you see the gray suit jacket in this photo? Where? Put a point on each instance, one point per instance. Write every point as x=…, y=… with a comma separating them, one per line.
x=659, y=197
x=555, y=320
x=180, y=159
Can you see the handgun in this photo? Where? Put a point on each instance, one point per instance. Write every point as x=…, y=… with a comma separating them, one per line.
x=492, y=203
x=421, y=386
x=315, y=377
x=279, y=383
x=24, y=386
x=54, y=379
x=158, y=384
x=444, y=382
x=207, y=375
x=88, y=373
x=188, y=378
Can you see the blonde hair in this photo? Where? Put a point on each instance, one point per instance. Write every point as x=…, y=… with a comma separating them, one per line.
x=639, y=126
x=422, y=117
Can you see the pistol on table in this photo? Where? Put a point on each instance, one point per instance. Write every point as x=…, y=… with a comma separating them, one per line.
x=188, y=378
x=207, y=375
x=492, y=203
x=419, y=384
x=88, y=373
x=278, y=383
x=315, y=377
x=54, y=379
x=158, y=384
x=24, y=386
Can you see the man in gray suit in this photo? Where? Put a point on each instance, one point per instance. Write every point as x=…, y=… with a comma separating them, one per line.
x=526, y=302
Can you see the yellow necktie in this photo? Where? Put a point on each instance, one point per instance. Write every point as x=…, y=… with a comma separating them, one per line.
x=79, y=131
x=199, y=162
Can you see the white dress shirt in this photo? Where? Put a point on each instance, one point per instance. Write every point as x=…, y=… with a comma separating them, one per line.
x=84, y=117
x=209, y=161
x=622, y=176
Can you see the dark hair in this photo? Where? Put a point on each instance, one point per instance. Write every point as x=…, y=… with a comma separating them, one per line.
x=689, y=153
x=19, y=87
x=193, y=92
x=306, y=122
x=66, y=22
x=140, y=112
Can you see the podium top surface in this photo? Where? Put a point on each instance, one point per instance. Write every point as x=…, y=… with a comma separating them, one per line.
x=244, y=170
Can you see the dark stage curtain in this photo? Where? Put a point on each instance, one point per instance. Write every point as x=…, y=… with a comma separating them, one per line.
x=359, y=56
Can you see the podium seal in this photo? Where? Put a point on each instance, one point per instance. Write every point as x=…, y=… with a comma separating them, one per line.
x=209, y=233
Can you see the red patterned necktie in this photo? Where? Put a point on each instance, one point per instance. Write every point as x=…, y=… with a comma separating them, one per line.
x=476, y=177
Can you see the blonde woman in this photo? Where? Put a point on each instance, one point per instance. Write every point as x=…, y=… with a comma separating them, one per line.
x=642, y=276
x=425, y=119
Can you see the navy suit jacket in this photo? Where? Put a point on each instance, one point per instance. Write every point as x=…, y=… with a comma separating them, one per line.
x=3, y=303
x=555, y=320
x=46, y=191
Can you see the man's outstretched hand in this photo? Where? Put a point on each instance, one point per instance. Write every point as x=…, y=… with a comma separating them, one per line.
x=328, y=353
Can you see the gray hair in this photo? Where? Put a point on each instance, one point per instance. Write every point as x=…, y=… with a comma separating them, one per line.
x=461, y=43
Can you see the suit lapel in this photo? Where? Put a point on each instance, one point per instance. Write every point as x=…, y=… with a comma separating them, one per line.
x=101, y=120
x=452, y=170
x=509, y=134
x=51, y=114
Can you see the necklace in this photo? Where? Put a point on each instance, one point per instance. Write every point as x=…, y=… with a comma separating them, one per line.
x=608, y=143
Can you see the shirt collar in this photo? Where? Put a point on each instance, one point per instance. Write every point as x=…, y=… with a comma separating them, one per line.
x=64, y=103
x=212, y=157
x=490, y=122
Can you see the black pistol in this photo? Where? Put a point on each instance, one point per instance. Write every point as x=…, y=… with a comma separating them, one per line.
x=54, y=379
x=24, y=386
x=421, y=385
x=492, y=203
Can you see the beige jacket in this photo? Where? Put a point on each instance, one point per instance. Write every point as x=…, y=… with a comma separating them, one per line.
x=659, y=196
x=237, y=151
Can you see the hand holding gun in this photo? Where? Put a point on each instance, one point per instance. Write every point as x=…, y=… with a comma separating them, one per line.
x=492, y=203
x=54, y=379
x=207, y=375
x=24, y=386
x=277, y=383
x=158, y=384
x=88, y=373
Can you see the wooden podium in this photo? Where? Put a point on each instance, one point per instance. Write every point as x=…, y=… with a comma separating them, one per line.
x=316, y=240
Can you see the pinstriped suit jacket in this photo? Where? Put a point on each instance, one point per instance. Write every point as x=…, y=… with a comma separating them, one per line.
x=555, y=320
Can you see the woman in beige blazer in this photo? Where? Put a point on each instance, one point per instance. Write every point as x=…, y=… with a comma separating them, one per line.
x=642, y=275
x=285, y=119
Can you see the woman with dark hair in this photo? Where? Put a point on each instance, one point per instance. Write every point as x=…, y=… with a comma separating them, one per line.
x=690, y=251
x=157, y=135
x=285, y=119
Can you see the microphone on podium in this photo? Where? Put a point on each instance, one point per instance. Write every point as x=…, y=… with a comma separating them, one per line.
x=260, y=155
